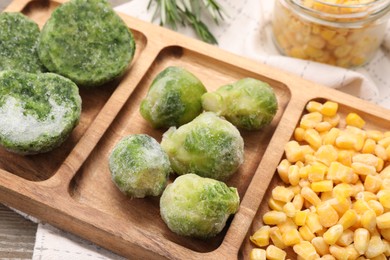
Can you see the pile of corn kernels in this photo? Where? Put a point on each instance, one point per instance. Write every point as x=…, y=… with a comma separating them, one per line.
x=335, y=45
x=335, y=203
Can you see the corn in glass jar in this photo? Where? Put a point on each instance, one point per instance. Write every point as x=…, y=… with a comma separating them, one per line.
x=345, y=33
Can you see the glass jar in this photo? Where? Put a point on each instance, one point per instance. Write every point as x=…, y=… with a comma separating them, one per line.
x=345, y=33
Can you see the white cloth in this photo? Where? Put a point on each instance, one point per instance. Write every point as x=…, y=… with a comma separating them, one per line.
x=246, y=32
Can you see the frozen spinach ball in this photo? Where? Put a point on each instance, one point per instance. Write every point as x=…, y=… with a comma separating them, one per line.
x=139, y=167
x=208, y=146
x=198, y=207
x=248, y=103
x=18, y=43
x=87, y=42
x=37, y=111
x=174, y=98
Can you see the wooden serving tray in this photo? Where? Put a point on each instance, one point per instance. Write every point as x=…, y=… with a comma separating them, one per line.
x=71, y=188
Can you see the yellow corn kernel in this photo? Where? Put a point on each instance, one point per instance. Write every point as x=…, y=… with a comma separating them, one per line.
x=261, y=236
x=380, y=151
x=287, y=225
x=343, y=190
x=289, y=209
x=257, y=254
x=299, y=134
x=363, y=169
x=328, y=257
x=368, y=220
x=333, y=234
x=313, y=106
x=380, y=165
x=329, y=108
x=306, y=250
x=327, y=34
x=336, y=170
x=369, y=146
x=385, y=173
x=326, y=195
x=375, y=247
x=333, y=120
x=293, y=152
x=346, y=238
x=316, y=173
x=368, y=159
x=385, y=142
x=366, y=196
x=359, y=134
x=309, y=195
x=295, y=189
x=300, y=217
x=283, y=170
x=275, y=253
x=313, y=222
x=361, y=239
x=310, y=120
x=354, y=119
x=291, y=237
x=380, y=257
x=298, y=202
x=346, y=141
x=313, y=138
x=322, y=127
x=274, y=217
x=304, y=171
x=281, y=193
x=322, y=186
x=360, y=206
x=327, y=214
x=320, y=245
x=375, y=135
x=385, y=184
x=276, y=204
x=383, y=221
x=376, y=206
x=345, y=157
x=340, y=204
x=384, y=198
x=276, y=237
x=306, y=233
x=326, y=154
x=304, y=183
x=352, y=252
x=372, y=183
x=293, y=175
x=339, y=252
x=330, y=137
x=348, y=219
x=357, y=187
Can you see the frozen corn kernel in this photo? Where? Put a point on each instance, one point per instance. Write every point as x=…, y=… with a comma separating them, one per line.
x=306, y=233
x=310, y=120
x=361, y=239
x=306, y=250
x=327, y=215
x=298, y=202
x=346, y=238
x=257, y=254
x=322, y=186
x=385, y=142
x=309, y=195
x=293, y=152
x=375, y=135
x=333, y=234
x=313, y=222
x=385, y=232
x=348, y=219
x=316, y=173
x=276, y=237
x=313, y=138
x=289, y=209
x=261, y=236
x=276, y=204
x=330, y=137
x=291, y=237
x=326, y=154
x=274, y=217
x=384, y=198
x=287, y=225
x=299, y=134
x=383, y=221
x=329, y=108
x=314, y=106
x=363, y=169
x=372, y=183
x=338, y=252
x=376, y=206
x=360, y=206
x=281, y=193
x=368, y=220
x=293, y=175
x=340, y=204
x=320, y=245
x=369, y=146
x=375, y=247
x=342, y=190
x=283, y=170
x=275, y=253
x=368, y=159
x=354, y=119
x=300, y=217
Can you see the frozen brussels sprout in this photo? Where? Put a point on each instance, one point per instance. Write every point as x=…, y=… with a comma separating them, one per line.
x=198, y=207
x=139, y=167
x=174, y=98
x=248, y=103
x=208, y=146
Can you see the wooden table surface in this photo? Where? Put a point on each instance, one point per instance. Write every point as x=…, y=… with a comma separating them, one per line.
x=17, y=235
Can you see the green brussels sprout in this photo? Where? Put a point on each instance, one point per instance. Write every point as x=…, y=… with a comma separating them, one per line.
x=208, y=146
x=198, y=207
x=248, y=103
x=174, y=98
x=139, y=167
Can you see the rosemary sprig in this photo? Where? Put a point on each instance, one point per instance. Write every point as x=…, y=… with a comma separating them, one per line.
x=188, y=12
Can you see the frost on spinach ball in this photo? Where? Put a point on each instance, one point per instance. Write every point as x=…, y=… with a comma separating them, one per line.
x=208, y=146
x=248, y=103
x=174, y=98
x=18, y=43
x=198, y=207
x=139, y=167
x=37, y=111
x=87, y=42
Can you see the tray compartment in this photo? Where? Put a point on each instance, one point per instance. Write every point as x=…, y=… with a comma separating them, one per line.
x=37, y=167
x=92, y=184
x=372, y=123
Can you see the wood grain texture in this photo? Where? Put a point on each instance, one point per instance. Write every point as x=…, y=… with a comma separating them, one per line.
x=74, y=191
